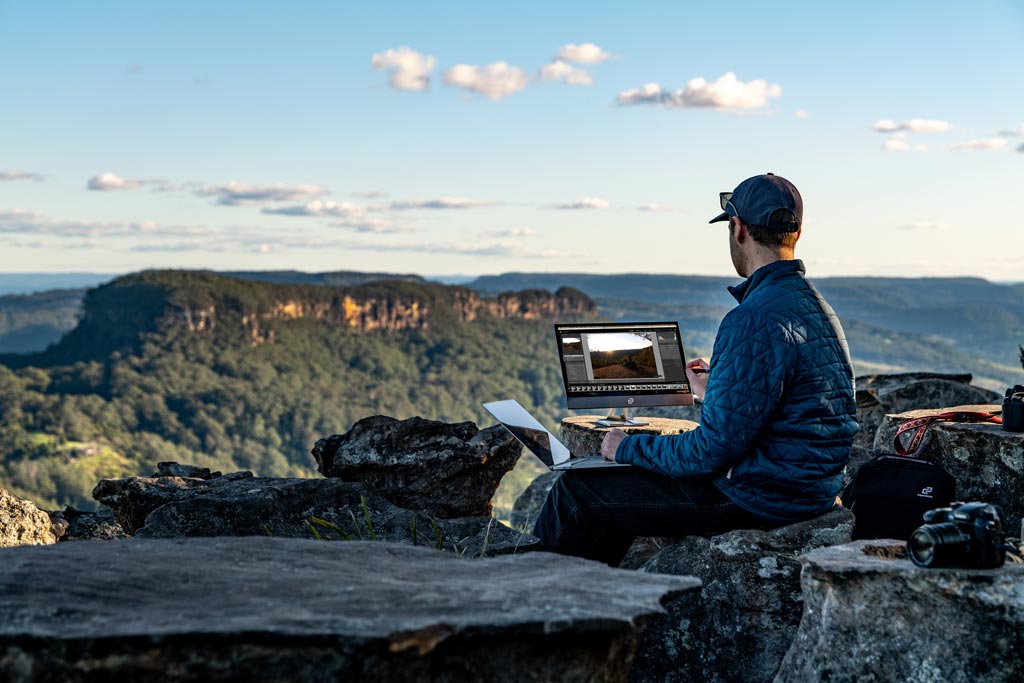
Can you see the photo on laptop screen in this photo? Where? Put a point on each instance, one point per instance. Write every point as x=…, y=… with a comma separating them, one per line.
x=623, y=355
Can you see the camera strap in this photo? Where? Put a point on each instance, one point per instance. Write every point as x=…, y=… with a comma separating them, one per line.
x=919, y=425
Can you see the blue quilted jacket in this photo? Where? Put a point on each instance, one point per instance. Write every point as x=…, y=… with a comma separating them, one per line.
x=779, y=413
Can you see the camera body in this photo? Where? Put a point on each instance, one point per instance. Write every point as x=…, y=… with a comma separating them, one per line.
x=1013, y=409
x=965, y=535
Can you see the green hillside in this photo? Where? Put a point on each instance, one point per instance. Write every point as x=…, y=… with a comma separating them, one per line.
x=144, y=377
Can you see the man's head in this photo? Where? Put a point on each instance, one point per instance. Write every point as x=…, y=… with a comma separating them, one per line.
x=765, y=214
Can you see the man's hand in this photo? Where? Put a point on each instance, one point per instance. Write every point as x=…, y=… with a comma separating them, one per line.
x=697, y=373
x=611, y=444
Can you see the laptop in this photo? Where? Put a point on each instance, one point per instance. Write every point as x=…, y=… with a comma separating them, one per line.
x=539, y=441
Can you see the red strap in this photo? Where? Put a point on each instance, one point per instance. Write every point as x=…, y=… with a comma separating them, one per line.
x=920, y=427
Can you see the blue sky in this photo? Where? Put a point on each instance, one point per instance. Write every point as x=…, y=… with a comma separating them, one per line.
x=259, y=135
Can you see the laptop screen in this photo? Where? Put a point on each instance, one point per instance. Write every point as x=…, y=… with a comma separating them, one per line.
x=608, y=365
x=528, y=431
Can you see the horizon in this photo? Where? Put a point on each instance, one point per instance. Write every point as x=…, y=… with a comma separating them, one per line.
x=459, y=141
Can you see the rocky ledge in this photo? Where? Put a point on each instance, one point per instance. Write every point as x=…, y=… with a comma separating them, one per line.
x=449, y=470
x=872, y=615
x=358, y=611
x=239, y=504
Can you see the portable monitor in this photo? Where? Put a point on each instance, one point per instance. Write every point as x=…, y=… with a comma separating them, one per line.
x=622, y=365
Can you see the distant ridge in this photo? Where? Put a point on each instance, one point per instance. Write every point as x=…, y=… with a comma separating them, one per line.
x=162, y=305
x=31, y=283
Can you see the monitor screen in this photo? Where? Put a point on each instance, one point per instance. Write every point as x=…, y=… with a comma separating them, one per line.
x=612, y=365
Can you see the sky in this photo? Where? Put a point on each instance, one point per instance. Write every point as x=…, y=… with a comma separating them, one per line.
x=471, y=138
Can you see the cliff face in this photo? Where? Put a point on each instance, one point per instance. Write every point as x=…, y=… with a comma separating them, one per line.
x=369, y=312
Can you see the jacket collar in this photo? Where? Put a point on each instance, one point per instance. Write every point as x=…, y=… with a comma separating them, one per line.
x=766, y=272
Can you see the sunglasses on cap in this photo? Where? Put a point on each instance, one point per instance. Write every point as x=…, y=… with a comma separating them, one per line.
x=724, y=199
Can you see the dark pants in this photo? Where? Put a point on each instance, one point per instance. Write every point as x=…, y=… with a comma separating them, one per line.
x=598, y=513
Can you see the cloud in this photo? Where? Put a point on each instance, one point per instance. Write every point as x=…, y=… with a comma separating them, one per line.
x=318, y=207
x=912, y=126
x=1011, y=132
x=493, y=81
x=20, y=175
x=135, y=70
x=568, y=74
x=584, y=203
x=511, y=232
x=895, y=144
x=1021, y=148
x=409, y=69
x=23, y=221
x=11, y=216
x=802, y=114
x=440, y=203
x=237, y=194
x=654, y=208
x=988, y=144
x=587, y=53
x=726, y=93
x=110, y=182
x=378, y=226
x=926, y=226
x=372, y=194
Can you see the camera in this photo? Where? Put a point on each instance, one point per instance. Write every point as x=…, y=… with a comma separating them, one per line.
x=964, y=535
x=1013, y=409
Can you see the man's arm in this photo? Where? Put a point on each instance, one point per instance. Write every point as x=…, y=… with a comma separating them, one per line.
x=745, y=384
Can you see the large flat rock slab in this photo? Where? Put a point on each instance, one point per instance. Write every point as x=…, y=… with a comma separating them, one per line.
x=234, y=609
x=872, y=615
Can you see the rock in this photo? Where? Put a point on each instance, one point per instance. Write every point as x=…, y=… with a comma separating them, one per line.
x=749, y=609
x=878, y=395
x=327, y=509
x=986, y=461
x=869, y=617
x=449, y=470
x=58, y=525
x=246, y=609
x=643, y=549
x=483, y=537
x=22, y=523
x=583, y=437
x=132, y=499
x=531, y=500
x=88, y=526
x=173, y=469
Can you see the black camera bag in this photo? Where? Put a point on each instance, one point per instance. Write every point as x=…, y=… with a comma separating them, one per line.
x=890, y=493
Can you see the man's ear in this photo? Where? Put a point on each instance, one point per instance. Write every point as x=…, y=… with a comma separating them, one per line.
x=741, y=231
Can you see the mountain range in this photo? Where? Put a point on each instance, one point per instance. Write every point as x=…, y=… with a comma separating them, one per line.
x=246, y=370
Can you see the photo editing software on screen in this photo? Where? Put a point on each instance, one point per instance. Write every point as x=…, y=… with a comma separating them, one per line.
x=616, y=358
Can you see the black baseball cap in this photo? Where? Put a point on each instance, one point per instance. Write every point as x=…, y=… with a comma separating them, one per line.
x=769, y=200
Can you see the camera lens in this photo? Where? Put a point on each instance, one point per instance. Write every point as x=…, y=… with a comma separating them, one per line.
x=921, y=547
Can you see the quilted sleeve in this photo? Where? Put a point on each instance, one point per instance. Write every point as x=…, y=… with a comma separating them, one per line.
x=745, y=384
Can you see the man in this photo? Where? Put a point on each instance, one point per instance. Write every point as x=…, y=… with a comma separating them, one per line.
x=778, y=418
